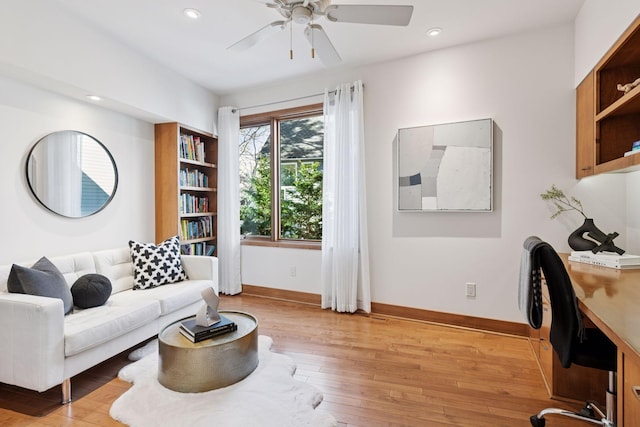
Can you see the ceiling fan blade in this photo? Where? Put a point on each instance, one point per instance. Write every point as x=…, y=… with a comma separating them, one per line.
x=370, y=14
x=258, y=36
x=273, y=3
x=322, y=45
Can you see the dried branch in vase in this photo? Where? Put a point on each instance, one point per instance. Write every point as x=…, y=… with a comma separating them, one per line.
x=562, y=202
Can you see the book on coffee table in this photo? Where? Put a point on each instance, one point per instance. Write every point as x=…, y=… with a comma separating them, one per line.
x=196, y=333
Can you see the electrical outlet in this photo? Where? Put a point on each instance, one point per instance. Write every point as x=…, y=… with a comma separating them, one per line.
x=471, y=289
x=292, y=271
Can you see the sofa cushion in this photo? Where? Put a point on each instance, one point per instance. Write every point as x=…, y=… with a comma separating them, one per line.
x=156, y=265
x=174, y=296
x=91, y=290
x=85, y=329
x=42, y=279
x=117, y=266
x=74, y=266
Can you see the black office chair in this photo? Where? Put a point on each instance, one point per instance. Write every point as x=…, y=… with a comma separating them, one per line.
x=572, y=342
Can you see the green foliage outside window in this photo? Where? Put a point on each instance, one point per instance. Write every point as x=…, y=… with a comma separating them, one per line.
x=301, y=211
x=255, y=210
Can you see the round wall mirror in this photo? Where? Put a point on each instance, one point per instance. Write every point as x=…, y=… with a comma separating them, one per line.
x=71, y=173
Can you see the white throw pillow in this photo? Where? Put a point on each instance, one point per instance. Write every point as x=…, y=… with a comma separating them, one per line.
x=156, y=265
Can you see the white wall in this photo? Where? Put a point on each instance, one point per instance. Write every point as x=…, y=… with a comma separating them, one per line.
x=28, y=229
x=526, y=84
x=273, y=268
x=42, y=44
x=633, y=213
x=597, y=27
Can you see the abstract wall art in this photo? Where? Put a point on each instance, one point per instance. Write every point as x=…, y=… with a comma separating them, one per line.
x=446, y=167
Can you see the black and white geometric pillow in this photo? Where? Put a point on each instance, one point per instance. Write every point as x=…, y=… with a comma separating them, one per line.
x=156, y=265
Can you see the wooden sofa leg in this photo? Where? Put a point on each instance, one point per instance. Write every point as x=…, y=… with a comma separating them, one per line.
x=66, y=391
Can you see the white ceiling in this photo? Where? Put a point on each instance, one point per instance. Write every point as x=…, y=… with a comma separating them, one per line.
x=197, y=49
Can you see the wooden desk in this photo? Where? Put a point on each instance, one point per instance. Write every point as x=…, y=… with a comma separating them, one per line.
x=610, y=298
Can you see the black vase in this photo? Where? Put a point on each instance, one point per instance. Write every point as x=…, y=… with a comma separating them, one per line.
x=578, y=242
x=599, y=241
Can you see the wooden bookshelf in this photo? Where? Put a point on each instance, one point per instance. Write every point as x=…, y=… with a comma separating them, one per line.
x=186, y=182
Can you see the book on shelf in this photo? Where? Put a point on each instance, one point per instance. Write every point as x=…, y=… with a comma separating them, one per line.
x=196, y=333
x=606, y=259
x=193, y=204
x=196, y=228
x=191, y=148
x=193, y=178
x=635, y=148
x=200, y=248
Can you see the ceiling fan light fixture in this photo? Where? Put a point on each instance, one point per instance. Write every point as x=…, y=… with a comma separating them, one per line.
x=191, y=13
x=301, y=15
x=435, y=31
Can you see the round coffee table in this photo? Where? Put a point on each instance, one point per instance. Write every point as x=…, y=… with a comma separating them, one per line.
x=210, y=364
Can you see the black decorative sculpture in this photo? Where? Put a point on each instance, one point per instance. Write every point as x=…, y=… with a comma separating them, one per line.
x=598, y=241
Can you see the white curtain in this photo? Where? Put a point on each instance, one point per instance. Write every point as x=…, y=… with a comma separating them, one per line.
x=62, y=189
x=345, y=251
x=229, y=278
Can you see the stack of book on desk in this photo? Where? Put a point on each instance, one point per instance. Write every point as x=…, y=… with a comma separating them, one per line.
x=606, y=259
x=196, y=333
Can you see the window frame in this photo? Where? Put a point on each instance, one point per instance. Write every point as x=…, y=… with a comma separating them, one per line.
x=272, y=118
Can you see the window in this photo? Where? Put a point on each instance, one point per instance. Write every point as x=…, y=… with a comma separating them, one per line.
x=281, y=158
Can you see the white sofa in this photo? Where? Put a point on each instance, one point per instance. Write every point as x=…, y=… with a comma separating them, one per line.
x=42, y=348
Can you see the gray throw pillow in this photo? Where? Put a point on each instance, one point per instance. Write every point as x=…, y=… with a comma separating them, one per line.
x=91, y=290
x=42, y=279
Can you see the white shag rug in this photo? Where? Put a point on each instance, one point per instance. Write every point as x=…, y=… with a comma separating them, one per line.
x=270, y=396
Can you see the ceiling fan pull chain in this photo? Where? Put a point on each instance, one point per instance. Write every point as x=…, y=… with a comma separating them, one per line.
x=291, y=40
x=313, y=49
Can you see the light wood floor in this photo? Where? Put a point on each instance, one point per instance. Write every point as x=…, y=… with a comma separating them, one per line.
x=373, y=371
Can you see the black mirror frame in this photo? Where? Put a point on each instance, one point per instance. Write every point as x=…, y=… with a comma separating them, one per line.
x=106, y=150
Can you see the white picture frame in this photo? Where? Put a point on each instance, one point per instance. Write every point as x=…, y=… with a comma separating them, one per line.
x=446, y=167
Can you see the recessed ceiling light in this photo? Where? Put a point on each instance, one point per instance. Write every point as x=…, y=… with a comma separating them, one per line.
x=192, y=13
x=94, y=97
x=434, y=31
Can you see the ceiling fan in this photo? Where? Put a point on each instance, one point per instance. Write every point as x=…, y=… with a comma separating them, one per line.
x=306, y=12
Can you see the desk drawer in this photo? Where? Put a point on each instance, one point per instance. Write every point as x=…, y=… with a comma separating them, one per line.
x=546, y=350
x=631, y=392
